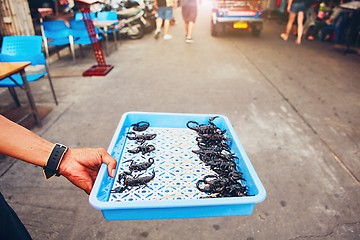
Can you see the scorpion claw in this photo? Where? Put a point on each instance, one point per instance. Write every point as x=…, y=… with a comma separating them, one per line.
x=140, y=126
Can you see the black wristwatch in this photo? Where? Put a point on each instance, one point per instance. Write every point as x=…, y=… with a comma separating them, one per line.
x=52, y=166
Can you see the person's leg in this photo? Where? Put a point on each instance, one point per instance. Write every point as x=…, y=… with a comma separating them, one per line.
x=159, y=21
x=158, y=24
x=166, y=26
x=186, y=28
x=291, y=20
x=300, y=23
x=190, y=29
x=168, y=18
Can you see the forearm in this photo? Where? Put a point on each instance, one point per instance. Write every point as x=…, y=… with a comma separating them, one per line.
x=79, y=166
x=20, y=143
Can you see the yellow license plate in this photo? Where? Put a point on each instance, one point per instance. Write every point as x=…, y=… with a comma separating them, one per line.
x=240, y=25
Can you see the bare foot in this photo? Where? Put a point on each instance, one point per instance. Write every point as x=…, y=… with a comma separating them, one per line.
x=284, y=36
x=311, y=38
x=298, y=41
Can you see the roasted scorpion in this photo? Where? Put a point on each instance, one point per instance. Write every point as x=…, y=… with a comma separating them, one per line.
x=209, y=128
x=222, y=146
x=140, y=166
x=128, y=181
x=218, y=147
x=221, y=187
x=140, y=126
x=229, y=172
x=143, y=148
x=211, y=184
x=210, y=154
x=216, y=153
x=211, y=137
x=140, y=138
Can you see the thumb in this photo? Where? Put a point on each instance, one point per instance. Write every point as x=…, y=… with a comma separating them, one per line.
x=109, y=161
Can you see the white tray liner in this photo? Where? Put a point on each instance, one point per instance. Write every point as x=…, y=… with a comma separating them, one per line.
x=177, y=168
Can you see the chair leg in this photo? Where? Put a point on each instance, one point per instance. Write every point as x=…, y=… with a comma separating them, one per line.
x=57, y=51
x=72, y=48
x=46, y=48
x=115, y=40
x=14, y=96
x=51, y=85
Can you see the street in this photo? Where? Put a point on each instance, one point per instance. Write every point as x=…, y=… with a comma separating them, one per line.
x=295, y=109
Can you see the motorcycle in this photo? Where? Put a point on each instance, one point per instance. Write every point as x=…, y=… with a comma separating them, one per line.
x=130, y=15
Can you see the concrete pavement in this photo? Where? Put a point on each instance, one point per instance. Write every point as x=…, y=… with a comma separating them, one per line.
x=294, y=108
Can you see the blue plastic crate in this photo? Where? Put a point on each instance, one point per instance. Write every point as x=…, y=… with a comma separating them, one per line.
x=172, y=193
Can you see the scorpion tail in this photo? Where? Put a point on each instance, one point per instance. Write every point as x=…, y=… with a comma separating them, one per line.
x=212, y=119
x=192, y=122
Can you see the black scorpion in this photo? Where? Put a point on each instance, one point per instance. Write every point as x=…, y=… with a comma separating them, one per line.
x=209, y=128
x=211, y=184
x=140, y=126
x=221, y=186
x=218, y=147
x=140, y=138
x=216, y=153
x=140, y=166
x=143, y=148
x=129, y=181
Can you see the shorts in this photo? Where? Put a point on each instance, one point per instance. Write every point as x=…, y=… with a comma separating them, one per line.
x=165, y=13
x=298, y=7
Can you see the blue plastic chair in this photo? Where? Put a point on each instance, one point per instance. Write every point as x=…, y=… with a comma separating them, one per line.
x=57, y=33
x=24, y=49
x=80, y=33
x=108, y=15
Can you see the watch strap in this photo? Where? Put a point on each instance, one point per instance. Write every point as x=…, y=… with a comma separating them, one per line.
x=53, y=163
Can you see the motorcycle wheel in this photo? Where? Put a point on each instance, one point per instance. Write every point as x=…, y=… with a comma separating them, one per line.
x=136, y=31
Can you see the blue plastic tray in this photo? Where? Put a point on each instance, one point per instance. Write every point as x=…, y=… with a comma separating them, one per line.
x=172, y=193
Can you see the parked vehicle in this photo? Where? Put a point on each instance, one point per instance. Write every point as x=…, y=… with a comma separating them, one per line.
x=237, y=15
x=131, y=17
x=137, y=16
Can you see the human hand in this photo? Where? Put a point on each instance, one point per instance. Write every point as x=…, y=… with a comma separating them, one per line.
x=81, y=166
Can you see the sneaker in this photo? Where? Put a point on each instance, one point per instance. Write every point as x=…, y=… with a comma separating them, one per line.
x=156, y=34
x=167, y=37
x=189, y=40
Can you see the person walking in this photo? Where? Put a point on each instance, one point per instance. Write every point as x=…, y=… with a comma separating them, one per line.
x=165, y=15
x=295, y=8
x=189, y=13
